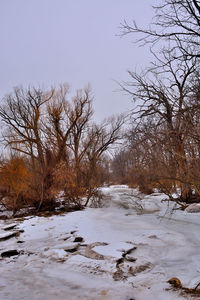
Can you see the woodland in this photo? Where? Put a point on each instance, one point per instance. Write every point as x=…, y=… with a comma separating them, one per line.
x=55, y=150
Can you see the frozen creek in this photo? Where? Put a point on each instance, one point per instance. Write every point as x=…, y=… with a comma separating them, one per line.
x=126, y=250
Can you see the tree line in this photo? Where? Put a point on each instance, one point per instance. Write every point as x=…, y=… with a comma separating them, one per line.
x=54, y=146
x=163, y=144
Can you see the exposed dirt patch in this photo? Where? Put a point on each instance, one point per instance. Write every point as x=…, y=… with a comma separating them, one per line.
x=10, y=253
x=120, y=274
x=8, y=236
x=140, y=269
x=78, y=239
x=89, y=253
x=9, y=227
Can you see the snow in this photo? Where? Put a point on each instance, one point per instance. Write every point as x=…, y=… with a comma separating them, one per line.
x=163, y=243
x=193, y=208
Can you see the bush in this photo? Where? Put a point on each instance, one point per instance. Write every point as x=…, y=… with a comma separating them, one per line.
x=15, y=178
x=64, y=179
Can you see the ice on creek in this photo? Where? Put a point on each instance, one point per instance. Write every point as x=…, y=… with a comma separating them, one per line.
x=127, y=249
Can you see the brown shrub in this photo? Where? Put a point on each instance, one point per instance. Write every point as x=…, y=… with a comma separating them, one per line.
x=15, y=178
x=65, y=179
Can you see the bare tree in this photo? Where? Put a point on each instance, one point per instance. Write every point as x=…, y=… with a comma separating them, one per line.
x=176, y=21
x=22, y=113
x=164, y=94
x=100, y=139
x=57, y=134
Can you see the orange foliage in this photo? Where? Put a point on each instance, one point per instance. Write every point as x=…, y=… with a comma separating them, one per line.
x=14, y=177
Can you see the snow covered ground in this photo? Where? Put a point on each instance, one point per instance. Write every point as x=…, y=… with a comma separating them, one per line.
x=126, y=250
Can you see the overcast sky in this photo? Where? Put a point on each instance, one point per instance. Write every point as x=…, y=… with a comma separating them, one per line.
x=47, y=42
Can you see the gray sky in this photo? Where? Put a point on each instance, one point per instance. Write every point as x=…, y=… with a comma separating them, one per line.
x=47, y=42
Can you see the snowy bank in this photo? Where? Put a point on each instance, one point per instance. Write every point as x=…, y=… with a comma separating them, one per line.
x=128, y=249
